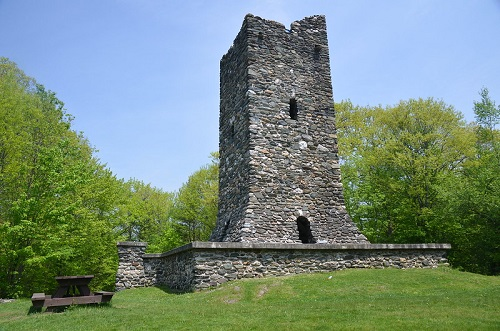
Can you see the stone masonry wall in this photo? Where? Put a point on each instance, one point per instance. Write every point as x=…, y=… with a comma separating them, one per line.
x=200, y=265
x=234, y=166
x=278, y=142
x=131, y=266
x=175, y=269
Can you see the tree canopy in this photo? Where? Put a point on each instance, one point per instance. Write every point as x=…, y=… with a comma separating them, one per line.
x=56, y=199
x=196, y=203
x=473, y=197
x=62, y=211
x=417, y=172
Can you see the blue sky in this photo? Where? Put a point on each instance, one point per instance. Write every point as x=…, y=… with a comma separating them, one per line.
x=141, y=77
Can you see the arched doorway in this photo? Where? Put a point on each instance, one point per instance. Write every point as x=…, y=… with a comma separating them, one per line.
x=304, y=227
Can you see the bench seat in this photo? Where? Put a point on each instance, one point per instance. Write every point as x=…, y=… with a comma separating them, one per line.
x=106, y=296
x=40, y=300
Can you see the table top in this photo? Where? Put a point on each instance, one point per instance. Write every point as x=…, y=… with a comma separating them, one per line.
x=75, y=277
x=74, y=280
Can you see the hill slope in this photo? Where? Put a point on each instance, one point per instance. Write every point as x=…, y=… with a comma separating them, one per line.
x=389, y=299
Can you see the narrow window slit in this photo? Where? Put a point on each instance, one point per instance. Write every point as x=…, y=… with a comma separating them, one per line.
x=317, y=51
x=294, y=110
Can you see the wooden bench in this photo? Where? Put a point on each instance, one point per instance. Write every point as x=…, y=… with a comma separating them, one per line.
x=38, y=299
x=105, y=296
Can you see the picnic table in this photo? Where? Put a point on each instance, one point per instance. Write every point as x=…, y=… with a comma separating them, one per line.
x=72, y=290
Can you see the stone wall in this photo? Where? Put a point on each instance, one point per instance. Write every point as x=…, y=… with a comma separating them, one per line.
x=200, y=265
x=131, y=266
x=277, y=136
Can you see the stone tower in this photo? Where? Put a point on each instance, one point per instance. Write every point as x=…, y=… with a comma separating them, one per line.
x=279, y=168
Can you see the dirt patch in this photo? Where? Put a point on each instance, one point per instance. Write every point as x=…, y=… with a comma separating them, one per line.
x=233, y=297
x=262, y=291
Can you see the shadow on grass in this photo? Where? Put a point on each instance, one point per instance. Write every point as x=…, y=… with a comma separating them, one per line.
x=168, y=290
x=34, y=310
x=61, y=309
x=37, y=310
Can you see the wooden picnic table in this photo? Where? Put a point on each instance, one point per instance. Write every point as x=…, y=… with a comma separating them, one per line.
x=73, y=285
x=72, y=290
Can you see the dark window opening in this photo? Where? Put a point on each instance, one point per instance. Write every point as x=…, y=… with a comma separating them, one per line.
x=294, y=110
x=305, y=234
x=260, y=36
x=317, y=51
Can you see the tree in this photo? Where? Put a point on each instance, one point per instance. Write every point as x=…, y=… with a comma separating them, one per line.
x=474, y=197
x=486, y=112
x=56, y=201
x=196, y=203
x=394, y=161
x=416, y=172
x=145, y=216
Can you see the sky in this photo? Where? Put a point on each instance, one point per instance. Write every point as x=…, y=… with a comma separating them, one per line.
x=141, y=77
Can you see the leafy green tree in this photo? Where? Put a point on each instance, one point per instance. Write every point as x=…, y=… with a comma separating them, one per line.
x=394, y=161
x=486, y=112
x=474, y=197
x=56, y=201
x=196, y=203
x=168, y=238
x=145, y=216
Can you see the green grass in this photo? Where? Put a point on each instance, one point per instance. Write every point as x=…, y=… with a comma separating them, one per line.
x=389, y=299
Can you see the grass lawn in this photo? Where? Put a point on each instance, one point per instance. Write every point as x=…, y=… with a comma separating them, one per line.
x=388, y=299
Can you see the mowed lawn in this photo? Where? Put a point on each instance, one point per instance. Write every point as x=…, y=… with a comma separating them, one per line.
x=371, y=299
